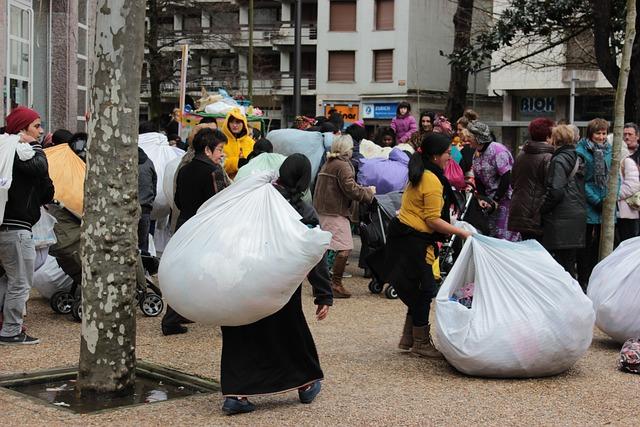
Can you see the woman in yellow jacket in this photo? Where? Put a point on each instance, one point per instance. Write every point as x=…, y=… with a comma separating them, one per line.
x=239, y=142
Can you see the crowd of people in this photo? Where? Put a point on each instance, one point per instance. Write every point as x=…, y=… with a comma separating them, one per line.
x=552, y=191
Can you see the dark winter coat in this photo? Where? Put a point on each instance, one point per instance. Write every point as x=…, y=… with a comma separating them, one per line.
x=564, y=207
x=30, y=188
x=197, y=182
x=336, y=188
x=528, y=179
x=147, y=181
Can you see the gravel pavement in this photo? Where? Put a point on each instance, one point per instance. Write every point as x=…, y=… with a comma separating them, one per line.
x=368, y=381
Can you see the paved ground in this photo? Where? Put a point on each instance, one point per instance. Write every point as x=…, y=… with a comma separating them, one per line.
x=368, y=381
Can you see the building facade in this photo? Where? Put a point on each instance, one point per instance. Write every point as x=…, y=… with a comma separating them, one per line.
x=46, y=67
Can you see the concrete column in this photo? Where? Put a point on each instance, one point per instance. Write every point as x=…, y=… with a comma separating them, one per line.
x=205, y=19
x=242, y=63
x=243, y=16
x=286, y=12
x=285, y=61
x=64, y=69
x=3, y=58
x=507, y=107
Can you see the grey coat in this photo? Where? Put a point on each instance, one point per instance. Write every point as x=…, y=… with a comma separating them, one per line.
x=147, y=181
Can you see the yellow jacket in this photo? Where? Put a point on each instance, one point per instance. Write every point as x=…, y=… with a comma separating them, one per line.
x=237, y=147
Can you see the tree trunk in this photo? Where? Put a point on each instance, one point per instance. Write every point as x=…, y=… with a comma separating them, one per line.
x=609, y=206
x=109, y=238
x=459, y=80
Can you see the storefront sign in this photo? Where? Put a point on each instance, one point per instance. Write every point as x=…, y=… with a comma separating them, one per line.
x=385, y=110
x=537, y=104
x=350, y=113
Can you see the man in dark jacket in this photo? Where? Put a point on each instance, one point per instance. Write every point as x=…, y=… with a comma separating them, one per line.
x=529, y=180
x=30, y=188
x=147, y=190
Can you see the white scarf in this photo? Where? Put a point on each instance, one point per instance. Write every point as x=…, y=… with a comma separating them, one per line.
x=9, y=146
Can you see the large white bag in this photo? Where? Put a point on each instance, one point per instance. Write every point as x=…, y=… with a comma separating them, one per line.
x=313, y=145
x=261, y=163
x=614, y=288
x=169, y=181
x=157, y=147
x=241, y=257
x=50, y=278
x=528, y=318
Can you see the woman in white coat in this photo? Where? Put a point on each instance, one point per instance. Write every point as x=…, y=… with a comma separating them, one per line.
x=628, y=223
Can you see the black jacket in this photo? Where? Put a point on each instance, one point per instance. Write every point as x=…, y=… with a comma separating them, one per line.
x=564, y=207
x=30, y=188
x=147, y=181
x=528, y=179
x=319, y=275
x=197, y=182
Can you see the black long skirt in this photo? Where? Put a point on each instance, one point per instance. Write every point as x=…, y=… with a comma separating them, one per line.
x=274, y=354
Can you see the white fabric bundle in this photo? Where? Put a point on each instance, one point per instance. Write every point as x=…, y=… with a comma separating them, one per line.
x=241, y=257
x=50, y=278
x=314, y=145
x=529, y=317
x=614, y=288
x=157, y=147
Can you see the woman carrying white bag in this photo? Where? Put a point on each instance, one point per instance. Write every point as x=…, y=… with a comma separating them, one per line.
x=412, y=239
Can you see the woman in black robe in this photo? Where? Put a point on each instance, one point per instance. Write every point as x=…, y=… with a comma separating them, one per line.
x=277, y=354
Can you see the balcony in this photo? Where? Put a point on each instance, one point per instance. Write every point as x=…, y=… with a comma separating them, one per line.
x=285, y=35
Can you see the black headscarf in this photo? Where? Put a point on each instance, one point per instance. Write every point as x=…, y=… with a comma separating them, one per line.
x=295, y=177
x=436, y=144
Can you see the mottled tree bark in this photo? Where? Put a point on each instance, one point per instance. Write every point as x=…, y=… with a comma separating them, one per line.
x=109, y=238
x=609, y=205
x=459, y=80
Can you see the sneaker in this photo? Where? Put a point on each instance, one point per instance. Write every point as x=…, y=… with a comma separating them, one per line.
x=307, y=394
x=346, y=275
x=20, y=339
x=233, y=405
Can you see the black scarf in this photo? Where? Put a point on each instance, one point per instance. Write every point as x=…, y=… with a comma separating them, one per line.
x=447, y=191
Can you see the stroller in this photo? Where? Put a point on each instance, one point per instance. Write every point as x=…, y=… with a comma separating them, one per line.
x=374, y=238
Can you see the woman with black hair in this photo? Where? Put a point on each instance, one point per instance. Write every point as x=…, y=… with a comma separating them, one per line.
x=277, y=354
x=412, y=247
x=263, y=145
x=425, y=126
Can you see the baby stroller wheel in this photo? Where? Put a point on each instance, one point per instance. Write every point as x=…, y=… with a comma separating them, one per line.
x=61, y=302
x=390, y=292
x=76, y=310
x=151, y=305
x=375, y=287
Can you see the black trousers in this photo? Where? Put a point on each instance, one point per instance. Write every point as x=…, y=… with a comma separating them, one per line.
x=626, y=229
x=417, y=294
x=567, y=259
x=144, y=224
x=587, y=257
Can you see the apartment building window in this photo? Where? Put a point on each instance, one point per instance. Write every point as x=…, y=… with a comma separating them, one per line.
x=342, y=15
x=19, y=55
x=383, y=65
x=384, y=15
x=82, y=60
x=342, y=66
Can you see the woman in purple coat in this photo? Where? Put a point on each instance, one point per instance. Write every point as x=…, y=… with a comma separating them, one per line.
x=403, y=124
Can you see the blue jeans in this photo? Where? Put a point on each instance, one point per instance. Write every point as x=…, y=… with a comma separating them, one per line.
x=17, y=256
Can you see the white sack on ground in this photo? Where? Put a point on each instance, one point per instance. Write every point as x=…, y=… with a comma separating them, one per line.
x=614, y=288
x=241, y=257
x=529, y=317
x=313, y=145
x=157, y=147
x=50, y=278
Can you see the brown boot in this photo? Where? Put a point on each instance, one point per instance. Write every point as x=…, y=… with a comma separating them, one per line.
x=339, y=265
x=422, y=344
x=406, y=341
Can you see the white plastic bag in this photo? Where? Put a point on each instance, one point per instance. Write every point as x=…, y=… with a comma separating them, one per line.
x=157, y=147
x=263, y=162
x=43, y=234
x=529, y=317
x=169, y=180
x=614, y=288
x=241, y=257
x=313, y=145
x=50, y=278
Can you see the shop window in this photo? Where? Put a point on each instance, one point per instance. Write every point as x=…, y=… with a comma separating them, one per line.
x=383, y=65
x=82, y=60
x=342, y=15
x=342, y=66
x=384, y=15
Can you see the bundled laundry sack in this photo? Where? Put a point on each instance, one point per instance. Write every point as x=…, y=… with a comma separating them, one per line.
x=528, y=317
x=241, y=257
x=614, y=288
x=169, y=181
x=50, y=278
x=313, y=145
x=386, y=175
x=262, y=163
x=67, y=171
x=157, y=147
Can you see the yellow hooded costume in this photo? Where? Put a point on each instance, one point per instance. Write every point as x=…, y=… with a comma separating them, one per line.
x=237, y=146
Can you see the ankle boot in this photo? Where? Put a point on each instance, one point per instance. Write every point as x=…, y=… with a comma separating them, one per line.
x=406, y=341
x=339, y=265
x=422, y=344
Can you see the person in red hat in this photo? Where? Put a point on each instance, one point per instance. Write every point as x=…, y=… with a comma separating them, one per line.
x=30, y=187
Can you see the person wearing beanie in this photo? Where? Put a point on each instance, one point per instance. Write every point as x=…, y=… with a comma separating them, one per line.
x=422, y=222
x=30, y=188
x=529, y=178
x=491, y=167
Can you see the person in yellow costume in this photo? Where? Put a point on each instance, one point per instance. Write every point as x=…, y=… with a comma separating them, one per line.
x=239, y=142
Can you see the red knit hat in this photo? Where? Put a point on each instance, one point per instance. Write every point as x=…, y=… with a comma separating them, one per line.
x=20, y=118
x=540, y=128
